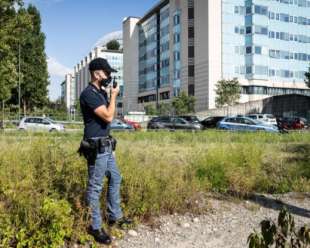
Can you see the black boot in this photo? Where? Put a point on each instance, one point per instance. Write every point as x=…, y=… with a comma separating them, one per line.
x=121, y=223
x=100, y=236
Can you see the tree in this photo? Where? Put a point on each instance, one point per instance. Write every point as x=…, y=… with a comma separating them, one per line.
x=33, y=62
x=307, y=79
x=8, y=74
x=113, y=45
x=164, y=109
x=183, y=104
x=228, y=92
x=150, y=110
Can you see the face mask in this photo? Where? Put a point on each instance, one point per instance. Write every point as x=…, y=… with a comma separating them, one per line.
x=106, y=82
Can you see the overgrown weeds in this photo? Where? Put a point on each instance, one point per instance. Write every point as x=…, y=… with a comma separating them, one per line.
x=43, y=180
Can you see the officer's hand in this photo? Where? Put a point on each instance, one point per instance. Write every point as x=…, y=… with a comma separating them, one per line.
x=115, y=91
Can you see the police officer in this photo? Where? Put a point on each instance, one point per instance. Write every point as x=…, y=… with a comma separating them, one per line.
x=98, y=111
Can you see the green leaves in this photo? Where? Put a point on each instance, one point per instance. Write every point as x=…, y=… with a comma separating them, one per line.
x=184, y=104
x=8, y=74
x=22, y=29
x=228, y=92
x=283, y=236
x=269, y=230
x=255, y=240
x=113, y=45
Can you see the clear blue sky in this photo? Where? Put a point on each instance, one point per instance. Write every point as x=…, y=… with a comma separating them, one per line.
x=72, y=27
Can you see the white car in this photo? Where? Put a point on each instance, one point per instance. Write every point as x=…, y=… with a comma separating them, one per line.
x=39, y=124
x=265, y=118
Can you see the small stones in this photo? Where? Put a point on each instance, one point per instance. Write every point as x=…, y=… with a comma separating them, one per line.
x=186, y=225
x=196, y=220
x=132, y=233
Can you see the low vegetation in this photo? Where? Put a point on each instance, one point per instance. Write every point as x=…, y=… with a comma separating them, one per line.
x=43, y=180
x=283, y=234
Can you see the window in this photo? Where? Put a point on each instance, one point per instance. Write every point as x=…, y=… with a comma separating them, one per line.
x=191, y=70
x=271, y=34
x=176, y=56
x=177, y=74
x=176, y=19
x=176, y=38
x=248, y=70
x=248, y=10
x=190, y=13
x=164, y=119
x=179, y=121
x=261, y=10
x=258, y=50
x=191, y=32
x=284, y=17
x=248, y=50
x=191, y=52
x=191, y=90
x=261, y=30
x=248, y=30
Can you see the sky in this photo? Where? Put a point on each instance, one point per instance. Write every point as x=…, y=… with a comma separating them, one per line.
x=72, y=27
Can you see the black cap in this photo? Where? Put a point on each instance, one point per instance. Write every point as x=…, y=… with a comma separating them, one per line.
x=100, y=64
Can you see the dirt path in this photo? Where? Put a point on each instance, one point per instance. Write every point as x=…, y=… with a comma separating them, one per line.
x=226, y=225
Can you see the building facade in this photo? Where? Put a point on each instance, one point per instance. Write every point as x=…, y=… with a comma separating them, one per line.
x=189, y=45
x=68, y=91
x=115, y=59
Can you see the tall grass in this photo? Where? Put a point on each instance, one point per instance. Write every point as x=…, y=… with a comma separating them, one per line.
x=43, y=180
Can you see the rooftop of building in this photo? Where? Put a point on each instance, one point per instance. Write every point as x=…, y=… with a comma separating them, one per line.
x=153, y=10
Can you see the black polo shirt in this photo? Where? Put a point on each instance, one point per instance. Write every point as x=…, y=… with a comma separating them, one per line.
x=90, y=99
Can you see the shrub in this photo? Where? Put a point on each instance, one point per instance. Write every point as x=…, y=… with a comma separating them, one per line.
x=281, y=235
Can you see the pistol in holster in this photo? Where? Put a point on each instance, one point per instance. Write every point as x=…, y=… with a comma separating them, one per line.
x=89, y=149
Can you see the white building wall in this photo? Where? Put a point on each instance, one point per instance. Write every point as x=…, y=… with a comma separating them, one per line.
x=131, y=62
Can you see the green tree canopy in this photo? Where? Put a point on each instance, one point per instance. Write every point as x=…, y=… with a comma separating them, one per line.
x=8, y=21
x=228, y=92
x=113, y=45
x=184, y=104
x=34, y=82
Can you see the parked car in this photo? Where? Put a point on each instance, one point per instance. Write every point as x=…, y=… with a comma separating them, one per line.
x=172, y=123
x=292, y=123
x=39, y=124
x=245, y=124
x=135, y=125
x=120, y=125
x=211, y=121
x=267, y=118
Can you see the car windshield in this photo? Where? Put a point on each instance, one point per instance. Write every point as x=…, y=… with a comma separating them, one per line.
x=50, y=120
x=190, y=118
x=269, y=116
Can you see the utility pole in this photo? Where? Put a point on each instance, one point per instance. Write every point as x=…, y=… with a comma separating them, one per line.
x=19, y=80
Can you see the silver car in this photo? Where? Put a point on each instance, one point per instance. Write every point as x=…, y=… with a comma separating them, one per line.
x=39, y=124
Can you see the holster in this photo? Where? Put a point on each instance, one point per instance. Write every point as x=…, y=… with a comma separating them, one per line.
x=113, y=142
x=89, y=149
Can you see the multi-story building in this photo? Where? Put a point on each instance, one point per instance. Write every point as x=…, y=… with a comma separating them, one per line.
x=115, y=59
x=68, y=91
x=189, y=45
